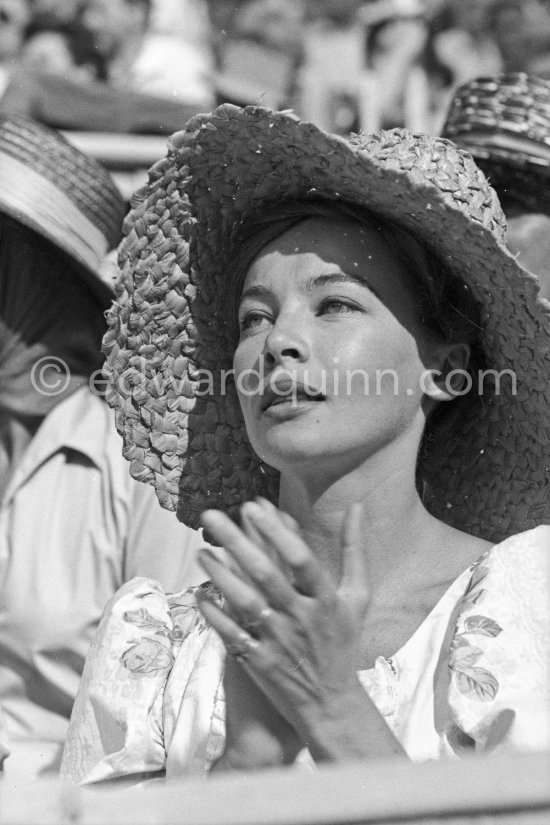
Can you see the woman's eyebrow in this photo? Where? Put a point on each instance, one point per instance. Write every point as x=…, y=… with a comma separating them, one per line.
x=255, y=292
x=341, y=278
x=263, y=292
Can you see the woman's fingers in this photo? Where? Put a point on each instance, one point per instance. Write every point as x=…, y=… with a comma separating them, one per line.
x=260, y=570
x=282, y=534
x=243, y=601
x=248, y=528
x=353, y=586
x=286, y=518
x=239, y=644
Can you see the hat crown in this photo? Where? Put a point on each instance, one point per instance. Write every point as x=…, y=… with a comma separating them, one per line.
x=426, y=168
x=437, y=162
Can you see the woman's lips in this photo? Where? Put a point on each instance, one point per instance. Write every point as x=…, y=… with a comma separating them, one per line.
x=281, y=402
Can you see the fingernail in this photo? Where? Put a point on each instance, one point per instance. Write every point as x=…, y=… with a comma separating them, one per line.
x=247, y=639
x=253, y=510
x=208, y=554
x=209, y=514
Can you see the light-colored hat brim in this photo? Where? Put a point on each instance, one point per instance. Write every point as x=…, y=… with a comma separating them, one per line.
x=66, y=197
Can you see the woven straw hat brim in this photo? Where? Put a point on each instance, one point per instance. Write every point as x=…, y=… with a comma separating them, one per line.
x=487, y=475
x=62, y=194
x=504, y=122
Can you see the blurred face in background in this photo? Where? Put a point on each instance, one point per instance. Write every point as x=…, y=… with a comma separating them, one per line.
x=111, y=21
x=48, y=52
x=14, y=16
x=470, y=14
x=62, y=10
x=401, y=39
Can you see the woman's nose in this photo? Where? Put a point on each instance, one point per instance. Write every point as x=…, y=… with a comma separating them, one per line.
x=285, y=343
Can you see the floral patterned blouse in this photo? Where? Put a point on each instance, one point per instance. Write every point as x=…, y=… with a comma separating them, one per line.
x=474, y=677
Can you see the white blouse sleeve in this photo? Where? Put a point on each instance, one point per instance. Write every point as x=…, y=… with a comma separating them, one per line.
x=124, y=716
x=499, y=692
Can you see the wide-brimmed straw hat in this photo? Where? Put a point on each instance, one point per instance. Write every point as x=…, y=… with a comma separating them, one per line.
x=62, y=194
x=504, y=121
x=488, y=474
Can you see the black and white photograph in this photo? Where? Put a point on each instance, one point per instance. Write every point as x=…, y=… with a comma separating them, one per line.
x=274, y=412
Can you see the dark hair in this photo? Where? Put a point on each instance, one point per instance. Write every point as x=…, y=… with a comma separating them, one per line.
x=376, y=29
x=77, y=38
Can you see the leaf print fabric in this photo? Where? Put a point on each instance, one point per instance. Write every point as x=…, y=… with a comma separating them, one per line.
x=469, y=676
x=151, y=697
x=471, y=679
x=152, y=653
x=476, y=681
x=142, y=618
x=155, y=666
x=482, y=625
x=149, y=656
x=498, y=658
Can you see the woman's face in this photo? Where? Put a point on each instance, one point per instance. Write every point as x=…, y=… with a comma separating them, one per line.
x=332, y=352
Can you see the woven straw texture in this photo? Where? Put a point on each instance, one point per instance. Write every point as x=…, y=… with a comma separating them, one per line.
x=487, y=475
x=79, y=177
x=504, y=121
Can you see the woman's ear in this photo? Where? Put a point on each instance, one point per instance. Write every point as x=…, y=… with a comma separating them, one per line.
x=450, y=380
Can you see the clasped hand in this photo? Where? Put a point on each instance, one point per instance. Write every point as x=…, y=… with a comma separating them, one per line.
x=286, y=624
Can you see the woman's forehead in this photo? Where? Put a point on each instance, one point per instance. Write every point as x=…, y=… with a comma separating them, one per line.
x=329, y=244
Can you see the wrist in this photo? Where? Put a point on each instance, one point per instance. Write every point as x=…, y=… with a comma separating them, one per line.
x=349, y=728
x=254, y=749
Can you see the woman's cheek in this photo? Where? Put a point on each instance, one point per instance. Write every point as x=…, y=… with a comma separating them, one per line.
x=376, y=367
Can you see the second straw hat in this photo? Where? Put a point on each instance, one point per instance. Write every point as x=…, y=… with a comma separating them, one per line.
x=62, y=194
x=504, y=121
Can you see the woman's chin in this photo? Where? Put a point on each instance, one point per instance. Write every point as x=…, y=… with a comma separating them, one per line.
x=288, y=455
x=298, y=457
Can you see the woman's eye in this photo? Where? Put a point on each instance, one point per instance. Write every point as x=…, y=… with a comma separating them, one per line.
x=335, y=306
x=252, y=321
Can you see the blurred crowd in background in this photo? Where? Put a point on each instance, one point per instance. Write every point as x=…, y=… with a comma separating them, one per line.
x=346, y=64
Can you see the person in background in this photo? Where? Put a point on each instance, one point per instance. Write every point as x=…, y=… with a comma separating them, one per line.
x=73, y=524
x=274, y=22
x=61, y=48
x=145, y=61
x=506, y=20
x=394, y=89
x=504, y=122
x=62, y=11
x=463, y=41
x=14, y=16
